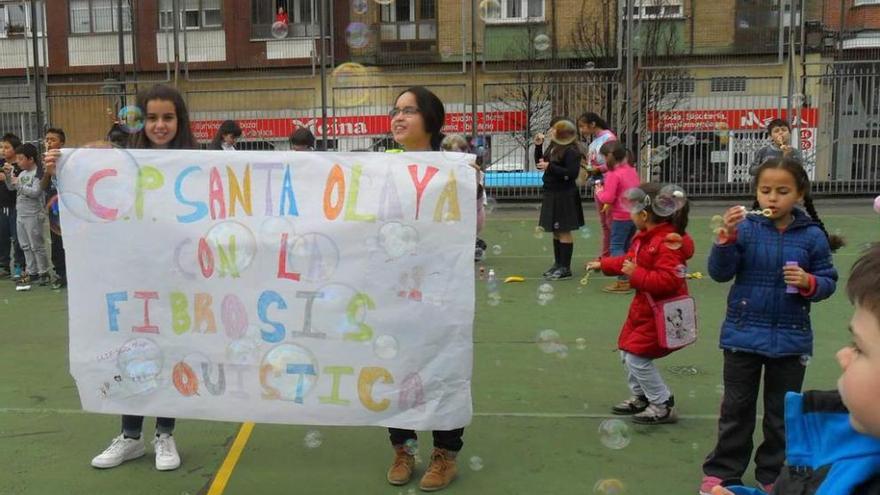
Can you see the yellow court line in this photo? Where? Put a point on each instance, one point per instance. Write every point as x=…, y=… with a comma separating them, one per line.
x=222, y=477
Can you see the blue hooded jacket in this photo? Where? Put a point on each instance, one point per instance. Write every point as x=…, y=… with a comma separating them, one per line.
x=761, y=317
x=824, y=454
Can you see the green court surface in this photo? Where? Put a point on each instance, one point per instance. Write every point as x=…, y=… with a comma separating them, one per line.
x=537, y=414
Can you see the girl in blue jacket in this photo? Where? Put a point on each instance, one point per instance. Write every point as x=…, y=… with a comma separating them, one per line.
x=781, y=262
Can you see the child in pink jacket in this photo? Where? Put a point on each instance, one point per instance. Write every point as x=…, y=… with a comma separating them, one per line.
x=621, y=177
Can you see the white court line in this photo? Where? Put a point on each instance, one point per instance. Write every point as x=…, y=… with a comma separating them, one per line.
x=31, y=410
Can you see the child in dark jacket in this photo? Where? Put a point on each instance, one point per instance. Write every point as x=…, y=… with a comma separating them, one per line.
x=656, y=264
x=833, y=438
x=781, y=264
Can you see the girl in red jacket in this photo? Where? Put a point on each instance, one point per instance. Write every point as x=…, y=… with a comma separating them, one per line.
x=656, y=265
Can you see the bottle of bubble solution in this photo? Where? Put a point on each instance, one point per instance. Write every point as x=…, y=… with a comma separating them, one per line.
x=491, y=281
x=482, y=272
x=791, y=289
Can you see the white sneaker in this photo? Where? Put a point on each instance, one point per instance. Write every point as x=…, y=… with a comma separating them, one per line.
x=121, y=449
x=167, y=458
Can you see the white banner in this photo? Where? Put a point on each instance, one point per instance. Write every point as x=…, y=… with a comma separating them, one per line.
x=278, y=287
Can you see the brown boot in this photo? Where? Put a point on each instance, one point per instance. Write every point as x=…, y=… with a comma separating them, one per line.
x=401, y=469
x=619, y=287
x=441, y=471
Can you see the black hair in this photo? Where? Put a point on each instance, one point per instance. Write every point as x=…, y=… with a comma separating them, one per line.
x=593, y=118
x=679, y=219
x=12, y=139
x=28, y=150
x=432, y=111
x=227, y=127
x=777, y=123
x=302, y=137
x=802, y=183
x=184, y=138
x=863, y=286
x=615, y=149
x=59, y=131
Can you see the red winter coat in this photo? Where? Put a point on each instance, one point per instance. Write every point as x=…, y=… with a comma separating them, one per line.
x=661, y=257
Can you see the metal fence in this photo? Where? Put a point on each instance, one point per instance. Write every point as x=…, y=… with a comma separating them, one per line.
x=691, y=102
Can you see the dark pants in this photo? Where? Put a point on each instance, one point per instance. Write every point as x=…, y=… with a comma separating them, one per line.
x=448, y=439
x=742, y=378
x=132, y=426
x=58, y=256
x=8, y=238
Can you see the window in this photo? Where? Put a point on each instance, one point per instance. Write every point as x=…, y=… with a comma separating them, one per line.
x=516, y=10
x=193, y=14
x=728, y=84
x=657, y=9
x=684, y=85
x=409, y=20
x=302, y=17
x=98, y=16
x=859, y=3
x=15, y=19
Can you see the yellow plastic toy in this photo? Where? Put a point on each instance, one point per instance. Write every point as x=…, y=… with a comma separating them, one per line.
x=514, y=278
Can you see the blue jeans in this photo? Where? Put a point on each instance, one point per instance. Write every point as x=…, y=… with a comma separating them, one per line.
x=622, y=232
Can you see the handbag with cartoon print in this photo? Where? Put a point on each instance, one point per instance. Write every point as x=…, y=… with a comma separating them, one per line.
x=676, y=321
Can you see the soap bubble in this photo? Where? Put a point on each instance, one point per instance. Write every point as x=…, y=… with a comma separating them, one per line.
x=689, y=140
x=590, y=65
x=549, y=342
x=545, y=294
x=113, y=192
x=539, y=232
x=476, y=463
x=716, y=224
x=385, y=347
x=669, y=200
x=805, y=360
x=581, y=343
x=496, y=249
x=564, y=132
x=877, y=204
x=140, y=362
x=489, y=10
x=681, y=271
x=673, y=141
x=585, y=232
x=614, y=434
x=359, y=7
x=609, y=487
x=275, y=372
x=279, y=30
x=635, y=200
x=131, y=118
x=542, y=42
x=313, y=439
x=491, y=204
x=234, y=247
x=346, y=78
x=411, y=446
x=357, y=35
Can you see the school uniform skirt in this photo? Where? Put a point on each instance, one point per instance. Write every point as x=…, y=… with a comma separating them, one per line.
x=561, y=210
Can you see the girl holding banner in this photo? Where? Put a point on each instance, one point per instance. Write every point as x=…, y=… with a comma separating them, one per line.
x=166, y=126
x=416, y=122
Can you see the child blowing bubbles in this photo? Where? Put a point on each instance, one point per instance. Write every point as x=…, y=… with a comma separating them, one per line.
x=655, y=263
x=767, y=329
x=833, y=438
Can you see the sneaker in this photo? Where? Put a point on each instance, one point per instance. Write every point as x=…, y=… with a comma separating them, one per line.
x=657, y=414
x=59, y=283
x=633, y=405
x=441, y=471
x=550, y=270
x=560, y=273
x=708, y=484
x=121, y=449
x=401, y=468
x=619, y=287
x=167, y=458
x=23, y=283
x=45, y=279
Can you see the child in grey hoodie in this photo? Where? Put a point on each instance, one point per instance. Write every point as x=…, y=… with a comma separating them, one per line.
x=30, y=219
